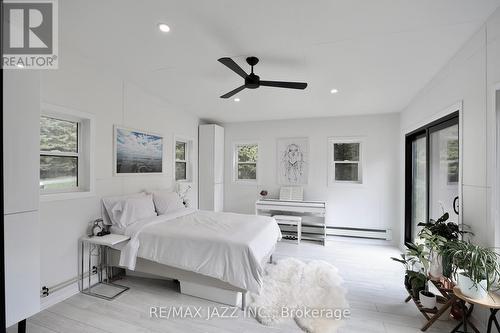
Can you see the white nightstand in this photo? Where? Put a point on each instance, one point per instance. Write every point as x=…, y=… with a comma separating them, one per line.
x=102, y=245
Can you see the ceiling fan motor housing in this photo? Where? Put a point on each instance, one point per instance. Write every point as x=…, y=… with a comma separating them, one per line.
x=252, y=81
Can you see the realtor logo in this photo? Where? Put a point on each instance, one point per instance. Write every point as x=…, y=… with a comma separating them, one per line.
x=29, y=37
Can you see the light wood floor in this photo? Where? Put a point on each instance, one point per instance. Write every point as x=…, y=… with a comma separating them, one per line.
x=374, y=284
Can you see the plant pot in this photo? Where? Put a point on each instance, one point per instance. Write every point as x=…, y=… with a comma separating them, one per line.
x=436, y=266
x=427, y=299
x=457, y=311
x=471, y=290
x=446, y=282
x=416, y=292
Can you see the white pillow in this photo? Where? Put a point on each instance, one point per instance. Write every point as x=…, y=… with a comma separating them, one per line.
x=109, y=202
x=111, y=212
x=132, y=209
x=167, y=201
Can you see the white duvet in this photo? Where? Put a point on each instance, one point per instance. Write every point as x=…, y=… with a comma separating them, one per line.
x=227, y=246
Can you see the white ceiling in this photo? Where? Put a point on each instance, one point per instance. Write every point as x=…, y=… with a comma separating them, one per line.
x=378, y=53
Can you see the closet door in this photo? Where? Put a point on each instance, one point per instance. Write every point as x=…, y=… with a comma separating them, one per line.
x=21, y=135
x=218, y=198
x=218, y=154
x=22, y=266
x=21, y=157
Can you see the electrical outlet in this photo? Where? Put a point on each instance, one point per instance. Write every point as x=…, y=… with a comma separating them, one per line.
x=94, y=270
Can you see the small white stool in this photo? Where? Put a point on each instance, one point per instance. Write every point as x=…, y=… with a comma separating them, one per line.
x=291, y=220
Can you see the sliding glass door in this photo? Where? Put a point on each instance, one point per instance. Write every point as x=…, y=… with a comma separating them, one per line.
x=432, y=173
x=443, y=192
x=418, y=181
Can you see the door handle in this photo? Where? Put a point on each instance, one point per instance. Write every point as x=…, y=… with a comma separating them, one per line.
x=455, y=205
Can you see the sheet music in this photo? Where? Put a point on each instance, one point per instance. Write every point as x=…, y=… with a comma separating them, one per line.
x=292, y=193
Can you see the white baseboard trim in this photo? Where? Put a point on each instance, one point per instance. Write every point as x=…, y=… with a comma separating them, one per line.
x=64, y=293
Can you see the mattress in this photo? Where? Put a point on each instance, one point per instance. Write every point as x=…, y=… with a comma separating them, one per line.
x=226, y=246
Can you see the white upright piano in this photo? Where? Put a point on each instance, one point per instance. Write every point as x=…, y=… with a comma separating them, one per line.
x=312, y=212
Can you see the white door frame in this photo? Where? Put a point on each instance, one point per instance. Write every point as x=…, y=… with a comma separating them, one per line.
x=495, y=151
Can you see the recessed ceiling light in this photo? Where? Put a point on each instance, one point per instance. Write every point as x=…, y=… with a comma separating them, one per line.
x=334, y=91
x=163, y=27
x=236, y=99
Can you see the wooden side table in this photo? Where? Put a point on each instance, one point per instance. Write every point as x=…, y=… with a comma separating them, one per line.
x=446, y=299
x=492, y=302
x=102, y=243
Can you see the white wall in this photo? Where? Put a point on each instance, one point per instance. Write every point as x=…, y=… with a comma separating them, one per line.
x=370, y=205
x=80, y=85
x=469, y=78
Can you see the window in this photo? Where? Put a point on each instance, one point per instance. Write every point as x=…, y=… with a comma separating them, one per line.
x=59, y=154
x=246, y=157
x=66, y=153
x=183, y=154
x=345, y=161
x=181, y=160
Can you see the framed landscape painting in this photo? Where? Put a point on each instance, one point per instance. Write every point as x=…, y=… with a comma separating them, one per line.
x=137, y=152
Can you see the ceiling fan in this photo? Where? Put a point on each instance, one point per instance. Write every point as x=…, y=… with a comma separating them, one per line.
x=253, y=81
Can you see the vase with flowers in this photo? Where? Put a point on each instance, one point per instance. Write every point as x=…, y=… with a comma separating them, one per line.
x=263, y=194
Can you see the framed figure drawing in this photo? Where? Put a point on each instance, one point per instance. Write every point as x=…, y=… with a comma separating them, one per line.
x=137, y=152
x=293, y=161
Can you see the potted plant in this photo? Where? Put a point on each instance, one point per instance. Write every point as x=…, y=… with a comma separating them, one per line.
x=449, y=231
x=420, y=283
x=434, y=244
x=407, y=263
x=475, y=268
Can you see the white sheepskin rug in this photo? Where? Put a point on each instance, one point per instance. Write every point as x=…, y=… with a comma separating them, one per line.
x=310, y=293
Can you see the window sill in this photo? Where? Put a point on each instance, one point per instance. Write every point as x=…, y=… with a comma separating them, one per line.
x=245, y=182
x=346, y=184
x=66, y=196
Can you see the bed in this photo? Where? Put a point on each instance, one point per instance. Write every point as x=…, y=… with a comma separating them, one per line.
x=217, y=256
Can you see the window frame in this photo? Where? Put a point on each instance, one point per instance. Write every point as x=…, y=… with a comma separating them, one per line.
x=332, y=162
x=66, y=154
x=236, y=162
x=85, y=153
x=185, y=160
x=188, y=158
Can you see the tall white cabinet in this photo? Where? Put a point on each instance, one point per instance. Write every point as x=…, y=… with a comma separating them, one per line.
x=211, y=167
x=21, y=159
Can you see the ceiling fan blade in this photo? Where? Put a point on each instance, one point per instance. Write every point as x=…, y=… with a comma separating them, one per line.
x=281, y=84
x=233, y=66
x=233, y=92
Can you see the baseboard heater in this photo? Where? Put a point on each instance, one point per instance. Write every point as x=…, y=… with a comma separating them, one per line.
x=384, y=234
x=312, y=230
